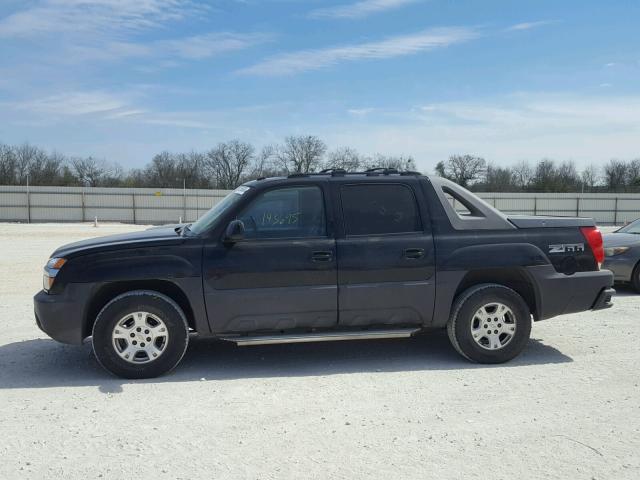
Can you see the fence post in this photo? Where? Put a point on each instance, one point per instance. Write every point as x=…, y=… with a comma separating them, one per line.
x=615, y=213
x=535, y=204
x=578, y=206
x=133, y=206
x=28, y=202
x=83, y=205
x=184, y=201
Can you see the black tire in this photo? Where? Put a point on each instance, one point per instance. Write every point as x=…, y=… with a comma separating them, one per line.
x=462, y=317
x=156, y=304
x=635, y=278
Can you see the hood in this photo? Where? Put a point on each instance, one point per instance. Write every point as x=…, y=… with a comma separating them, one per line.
x=166, y=235
x=620, y=239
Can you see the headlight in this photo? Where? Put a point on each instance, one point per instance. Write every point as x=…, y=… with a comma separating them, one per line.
x=51, y=269
x=613, y=251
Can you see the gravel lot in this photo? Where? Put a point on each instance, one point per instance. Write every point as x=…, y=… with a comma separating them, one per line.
x=568, y=408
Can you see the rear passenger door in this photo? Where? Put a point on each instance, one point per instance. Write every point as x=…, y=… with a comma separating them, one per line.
x=386, y=262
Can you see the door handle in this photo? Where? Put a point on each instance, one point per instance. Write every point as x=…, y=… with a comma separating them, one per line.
x=321, y=256
x=414, y=253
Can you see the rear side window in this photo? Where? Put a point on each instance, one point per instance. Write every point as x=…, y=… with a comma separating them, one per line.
x=286, y=213
x=377, y=209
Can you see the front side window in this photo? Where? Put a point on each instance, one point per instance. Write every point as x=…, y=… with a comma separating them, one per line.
x=210, y=218
x=294, y=212
x=377, y=209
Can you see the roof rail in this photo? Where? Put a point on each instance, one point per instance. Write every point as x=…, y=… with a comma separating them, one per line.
x=334, y=172
x=384, y=170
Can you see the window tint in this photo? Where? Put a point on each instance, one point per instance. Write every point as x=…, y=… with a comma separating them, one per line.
x=286, y=213
x=379, y=209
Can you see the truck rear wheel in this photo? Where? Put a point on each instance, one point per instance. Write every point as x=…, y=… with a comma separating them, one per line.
x=140, y=334
x=489, y=323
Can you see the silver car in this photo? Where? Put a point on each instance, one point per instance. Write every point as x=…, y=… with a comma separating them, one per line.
x=622, y=254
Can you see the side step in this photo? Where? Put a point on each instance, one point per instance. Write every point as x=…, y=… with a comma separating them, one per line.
x=319, y=337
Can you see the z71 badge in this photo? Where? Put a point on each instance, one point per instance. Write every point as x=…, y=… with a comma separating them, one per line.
x=566, y=248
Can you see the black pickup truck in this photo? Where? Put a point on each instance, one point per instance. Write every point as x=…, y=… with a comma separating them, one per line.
x=318, y=257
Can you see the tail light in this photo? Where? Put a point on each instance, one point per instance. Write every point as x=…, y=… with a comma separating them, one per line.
x=594, y=238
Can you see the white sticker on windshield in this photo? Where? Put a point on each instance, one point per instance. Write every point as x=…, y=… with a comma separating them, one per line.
x=241, y=190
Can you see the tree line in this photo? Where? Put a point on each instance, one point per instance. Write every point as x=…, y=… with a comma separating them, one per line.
x=224, y=166
x=230, y=163
x=544, y=176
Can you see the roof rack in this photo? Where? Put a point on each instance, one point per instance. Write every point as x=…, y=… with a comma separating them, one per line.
x=383, y=170
x=335, y=172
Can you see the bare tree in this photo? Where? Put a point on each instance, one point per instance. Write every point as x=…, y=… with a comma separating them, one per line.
x=499, y=179
x=401, y=163
x=301, y=154
x=24, y=154
x=266, y=163
x=161, y=172
x=462, y=169
x=568, y=178
x=229, y=161
x=45, y=169
x=92, y=172
x=346, y=158
x=523, y=174
x=633, y=173
x=590, y=177
x=190, y=169
x=7, y=165
x=615, y=175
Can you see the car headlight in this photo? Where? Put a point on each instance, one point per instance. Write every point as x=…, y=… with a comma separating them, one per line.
x=51, y=270
x=613, y=251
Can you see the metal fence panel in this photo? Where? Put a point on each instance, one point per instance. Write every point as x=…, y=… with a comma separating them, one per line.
x=170, y=205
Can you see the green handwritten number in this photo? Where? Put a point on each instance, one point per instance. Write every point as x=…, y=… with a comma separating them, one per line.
x=271, y=219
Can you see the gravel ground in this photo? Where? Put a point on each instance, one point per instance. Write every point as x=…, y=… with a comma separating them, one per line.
x=567, y=408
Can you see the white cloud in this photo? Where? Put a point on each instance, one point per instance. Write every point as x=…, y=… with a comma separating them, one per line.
x=75, y=103
x=360, y=112
x=530, y=25
x=359, y=9
x=124, y=114
x=197, y=47
x=95, y=16
x=314, y=59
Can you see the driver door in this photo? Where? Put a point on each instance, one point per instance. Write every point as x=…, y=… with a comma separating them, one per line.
x=282, y=275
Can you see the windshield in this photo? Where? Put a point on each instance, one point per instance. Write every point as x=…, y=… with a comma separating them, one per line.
x=633, y=227
x=209, y=219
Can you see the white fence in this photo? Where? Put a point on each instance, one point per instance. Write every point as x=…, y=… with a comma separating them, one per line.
x=127, y=205
x=167, y=205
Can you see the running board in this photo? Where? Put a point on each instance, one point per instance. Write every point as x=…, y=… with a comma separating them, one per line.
x=318, y=337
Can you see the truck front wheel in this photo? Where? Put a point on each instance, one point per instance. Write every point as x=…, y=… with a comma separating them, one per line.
x=140, y=334
x=489, y=323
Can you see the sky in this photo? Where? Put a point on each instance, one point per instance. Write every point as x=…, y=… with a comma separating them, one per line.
x=506, y=80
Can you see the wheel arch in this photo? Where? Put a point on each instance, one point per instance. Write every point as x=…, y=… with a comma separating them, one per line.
x=516, y=279
x=452, y=283
x=107, y=292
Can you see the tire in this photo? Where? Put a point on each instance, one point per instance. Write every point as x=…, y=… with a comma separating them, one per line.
x=473, y=315
x=134, y=318
x=635, y=278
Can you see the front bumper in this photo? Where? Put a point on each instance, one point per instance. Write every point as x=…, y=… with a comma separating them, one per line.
x=62, y=316
x=559, y=294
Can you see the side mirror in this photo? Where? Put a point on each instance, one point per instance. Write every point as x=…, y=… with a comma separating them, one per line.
x=234, y=232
